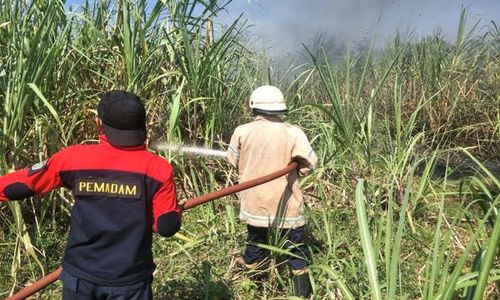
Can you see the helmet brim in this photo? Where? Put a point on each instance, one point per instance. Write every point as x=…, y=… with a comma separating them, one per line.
x=257, y=111
x=124, y=138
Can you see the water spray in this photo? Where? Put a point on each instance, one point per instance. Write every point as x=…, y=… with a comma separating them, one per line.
x=189, y=150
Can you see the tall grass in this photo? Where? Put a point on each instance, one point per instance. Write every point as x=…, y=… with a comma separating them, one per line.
x=381, y=223
x=54, y=65
x=382, y=132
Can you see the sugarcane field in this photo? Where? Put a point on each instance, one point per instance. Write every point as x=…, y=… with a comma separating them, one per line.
x=249, y=149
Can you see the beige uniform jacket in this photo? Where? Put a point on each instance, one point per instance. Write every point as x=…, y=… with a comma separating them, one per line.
x=261, y=147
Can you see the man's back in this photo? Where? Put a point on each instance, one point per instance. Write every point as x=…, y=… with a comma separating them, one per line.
x=265, y=146
x=259, y=148
x=112, y=218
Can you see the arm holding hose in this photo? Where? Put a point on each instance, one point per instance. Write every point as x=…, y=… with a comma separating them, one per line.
x=303, y=154
x=35, y=180
x=166, y=211
x=233, y=150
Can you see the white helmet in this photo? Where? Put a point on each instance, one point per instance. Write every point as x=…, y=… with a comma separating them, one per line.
x=268, y=98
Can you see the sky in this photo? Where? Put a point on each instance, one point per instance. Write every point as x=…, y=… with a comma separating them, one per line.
x=283, y=25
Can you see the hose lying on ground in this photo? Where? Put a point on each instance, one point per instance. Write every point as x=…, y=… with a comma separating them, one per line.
x=190, y=203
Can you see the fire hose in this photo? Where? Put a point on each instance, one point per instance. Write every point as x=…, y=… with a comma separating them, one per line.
x=190, y=203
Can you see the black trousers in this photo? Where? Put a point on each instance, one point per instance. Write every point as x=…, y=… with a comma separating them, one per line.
x=78, y=289
x=294, y=241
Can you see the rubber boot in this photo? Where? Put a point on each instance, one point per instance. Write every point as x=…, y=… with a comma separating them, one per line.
x=302, y=285
x=258, y=272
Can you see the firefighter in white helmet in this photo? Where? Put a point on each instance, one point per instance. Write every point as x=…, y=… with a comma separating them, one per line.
x=265, y=145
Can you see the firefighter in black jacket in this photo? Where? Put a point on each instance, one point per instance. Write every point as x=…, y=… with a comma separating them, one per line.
x=123, y=194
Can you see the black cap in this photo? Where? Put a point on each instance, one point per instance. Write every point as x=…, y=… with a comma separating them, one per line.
x=123, y=117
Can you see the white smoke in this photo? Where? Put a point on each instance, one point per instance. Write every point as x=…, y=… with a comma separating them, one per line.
x=283, y=25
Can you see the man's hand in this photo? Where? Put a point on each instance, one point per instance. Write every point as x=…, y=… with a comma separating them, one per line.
x=304, y=167
x=182, y=203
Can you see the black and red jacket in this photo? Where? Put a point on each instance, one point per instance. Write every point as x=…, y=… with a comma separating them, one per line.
x=121, y=196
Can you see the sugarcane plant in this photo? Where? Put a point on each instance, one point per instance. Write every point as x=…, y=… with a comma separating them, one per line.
x=389, y=212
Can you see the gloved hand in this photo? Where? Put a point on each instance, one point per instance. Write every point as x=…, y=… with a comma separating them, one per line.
x=304, y=166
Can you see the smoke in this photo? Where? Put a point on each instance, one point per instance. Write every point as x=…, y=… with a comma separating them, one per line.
x=283, y=25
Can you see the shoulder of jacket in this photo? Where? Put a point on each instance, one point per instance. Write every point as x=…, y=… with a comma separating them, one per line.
x=294, y=129
x=73, y=149
x=69, y=154
x=156, y=159
x=159, y=165
x=244, y=128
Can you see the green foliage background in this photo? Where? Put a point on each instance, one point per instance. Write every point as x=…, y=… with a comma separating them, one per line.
x=404, y=204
